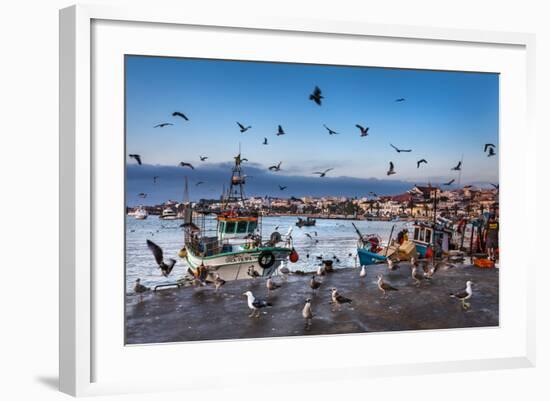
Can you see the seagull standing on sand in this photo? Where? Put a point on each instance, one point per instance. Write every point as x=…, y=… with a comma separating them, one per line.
x=140, y=288
x=255, y=304
x=338, y=300
x=363, y=272
x=321, y=270
x=270, y=285
x=464, y=294
x=252, y=272
x=165, y=267
x=417, y=276
x=284, y=271
x=307, y=313
x=383, y=286
x=218, y=281
x=314, y=284
x=391, y=264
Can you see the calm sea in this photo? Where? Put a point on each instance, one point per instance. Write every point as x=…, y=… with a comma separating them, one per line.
x=335, y=238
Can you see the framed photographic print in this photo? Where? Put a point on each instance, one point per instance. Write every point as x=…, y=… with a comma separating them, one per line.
x=243, y=189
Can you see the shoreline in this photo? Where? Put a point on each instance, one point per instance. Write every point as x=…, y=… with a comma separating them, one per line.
x=202, y=314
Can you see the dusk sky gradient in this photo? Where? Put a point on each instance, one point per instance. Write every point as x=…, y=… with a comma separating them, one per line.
x=446, y=116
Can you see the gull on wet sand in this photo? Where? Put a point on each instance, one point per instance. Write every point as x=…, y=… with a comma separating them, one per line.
x=314, y=284
x=284, y=271
x=338, y=299
x=218, y=281
x=383, y=286
x=307, y=314
x=464, y=294
x=255, y=304
x=363, y=272
x=271, y=285
x=253, y=272
x=140, y=288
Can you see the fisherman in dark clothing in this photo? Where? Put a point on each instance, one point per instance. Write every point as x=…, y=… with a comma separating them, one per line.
x=491, y=237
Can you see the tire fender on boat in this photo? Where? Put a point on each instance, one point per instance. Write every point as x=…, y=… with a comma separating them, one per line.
x=266, y=259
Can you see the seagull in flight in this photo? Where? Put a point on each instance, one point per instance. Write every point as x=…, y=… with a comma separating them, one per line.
x=418, y=163
x=162, y=125
x=142, y=195
x=276, y=167
x=330, y=132
x=243, y=129
x=282, y=188
x=391, y=171
x=155, y=178
x=491, y=152
x=364, y=130
x=496, y=186
x=316, y=96
x=449, y=183
x=180, y=114
x=265, y=141
x=137, y=158
x=183, y=164
x=400, y=150
x=199, y=183
x=280, y=131
x=458, y=167
x=203, y=158
x=401, y=99
x=165, y=267
x=488, y=145
x=323, y=173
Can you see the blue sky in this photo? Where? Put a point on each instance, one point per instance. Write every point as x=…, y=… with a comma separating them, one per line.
x=446, y=116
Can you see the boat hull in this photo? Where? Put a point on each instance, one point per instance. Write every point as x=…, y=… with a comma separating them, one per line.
x=369, y=258
x=235, y=265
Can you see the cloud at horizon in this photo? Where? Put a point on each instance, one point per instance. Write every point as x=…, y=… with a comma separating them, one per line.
x=260, y=182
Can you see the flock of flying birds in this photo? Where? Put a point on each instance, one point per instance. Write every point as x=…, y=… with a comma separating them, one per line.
x=317, y=97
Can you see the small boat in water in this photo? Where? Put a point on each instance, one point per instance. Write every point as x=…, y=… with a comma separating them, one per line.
x=308, y=222
x=168, y=214
x=229, y=241
x=140, y=213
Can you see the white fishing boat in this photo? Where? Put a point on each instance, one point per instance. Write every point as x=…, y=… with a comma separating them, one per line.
x=168, y=214
x=229, y=241
x=140, y=213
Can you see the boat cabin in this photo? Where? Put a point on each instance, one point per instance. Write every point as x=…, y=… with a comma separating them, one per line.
x=426, y=236
x=236, y=227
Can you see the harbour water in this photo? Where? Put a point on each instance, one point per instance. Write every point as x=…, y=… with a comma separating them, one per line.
x=335, y=238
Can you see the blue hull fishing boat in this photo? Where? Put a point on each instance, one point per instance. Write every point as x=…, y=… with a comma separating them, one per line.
x=369, y=248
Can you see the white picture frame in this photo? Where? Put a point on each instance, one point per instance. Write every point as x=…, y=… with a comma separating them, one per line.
x=78, y=152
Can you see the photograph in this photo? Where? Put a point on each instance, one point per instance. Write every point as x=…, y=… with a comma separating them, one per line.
x=272, y=199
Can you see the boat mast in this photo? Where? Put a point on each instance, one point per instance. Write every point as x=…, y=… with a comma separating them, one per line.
x=236, y=185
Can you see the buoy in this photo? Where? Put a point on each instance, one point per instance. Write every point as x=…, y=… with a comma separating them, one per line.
x=182, y=253
x=294, y=256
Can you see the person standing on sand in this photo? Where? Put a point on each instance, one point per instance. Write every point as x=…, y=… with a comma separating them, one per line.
x=491, y=237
